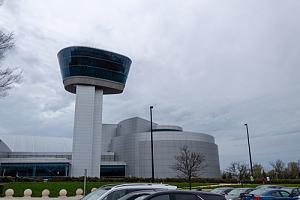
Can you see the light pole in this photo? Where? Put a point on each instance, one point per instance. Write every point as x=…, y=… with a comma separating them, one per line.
x=249, y=149
x=151, y=130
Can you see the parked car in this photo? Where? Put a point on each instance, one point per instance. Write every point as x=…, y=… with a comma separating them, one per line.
x=138, y=195
x=295, y=192
x=269, y=194
x=114, y=192
x=237, y=193
x=222, y=190
x=184, y=195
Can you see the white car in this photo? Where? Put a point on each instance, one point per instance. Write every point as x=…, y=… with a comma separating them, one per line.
x=114, y=192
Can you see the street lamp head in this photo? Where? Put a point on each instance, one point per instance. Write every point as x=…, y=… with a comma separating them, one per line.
x=151, y=107
x=246, y=124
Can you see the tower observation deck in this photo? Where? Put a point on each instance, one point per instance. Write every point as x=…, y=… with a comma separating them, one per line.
x=89, y=73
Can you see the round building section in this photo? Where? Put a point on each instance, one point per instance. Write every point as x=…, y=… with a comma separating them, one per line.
x=133, y=145
x=167, y=145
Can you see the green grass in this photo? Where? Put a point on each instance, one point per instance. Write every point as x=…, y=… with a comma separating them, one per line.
x=55, y=187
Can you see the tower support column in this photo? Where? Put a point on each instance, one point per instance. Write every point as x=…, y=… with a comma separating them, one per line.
x=97, y=137
x=87, y=136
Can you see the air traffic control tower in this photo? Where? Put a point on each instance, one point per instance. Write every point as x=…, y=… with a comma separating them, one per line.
x=89, y=73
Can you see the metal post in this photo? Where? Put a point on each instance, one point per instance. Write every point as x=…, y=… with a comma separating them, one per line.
x=84, y=181
x=249, y=150
x=152, y=160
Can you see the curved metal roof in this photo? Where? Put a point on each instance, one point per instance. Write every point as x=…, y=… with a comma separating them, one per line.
x=23, y=143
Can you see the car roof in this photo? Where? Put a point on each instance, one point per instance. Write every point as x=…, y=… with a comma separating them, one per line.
x=187, y=192
x=225, y=188
x=265, y=189
x=147, y=185
x=273, y=189
x=135, y=186
x=269, y=186
x=243, y=189
x=108, y=186
x=262, y=190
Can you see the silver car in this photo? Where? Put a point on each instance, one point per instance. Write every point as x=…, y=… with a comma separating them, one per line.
x=114, y=192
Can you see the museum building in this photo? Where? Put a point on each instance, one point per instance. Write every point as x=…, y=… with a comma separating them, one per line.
x=125, y=152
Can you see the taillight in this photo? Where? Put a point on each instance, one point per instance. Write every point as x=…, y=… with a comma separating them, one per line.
x=256, y=197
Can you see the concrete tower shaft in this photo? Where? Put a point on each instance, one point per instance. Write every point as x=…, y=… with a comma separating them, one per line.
x=90, y=73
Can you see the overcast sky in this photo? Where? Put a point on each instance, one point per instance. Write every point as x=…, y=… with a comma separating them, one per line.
x=208, y=66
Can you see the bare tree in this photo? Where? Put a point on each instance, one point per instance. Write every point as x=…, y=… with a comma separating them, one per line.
x=8, y=76
x=292, y=170
x=279, y=168
x=189, y=164
x=258, y=170
x=238, y=170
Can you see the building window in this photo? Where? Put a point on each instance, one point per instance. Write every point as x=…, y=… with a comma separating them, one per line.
x=34, y=169
x=112, y=171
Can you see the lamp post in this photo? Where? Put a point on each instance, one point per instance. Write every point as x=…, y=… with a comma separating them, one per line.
x=84, y=182
x=249, y=149
x=152, y=160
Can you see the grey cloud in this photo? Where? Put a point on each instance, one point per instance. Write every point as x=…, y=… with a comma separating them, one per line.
x=209, y=66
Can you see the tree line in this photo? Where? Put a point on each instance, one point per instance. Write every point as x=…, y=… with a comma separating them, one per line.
x=278, y=170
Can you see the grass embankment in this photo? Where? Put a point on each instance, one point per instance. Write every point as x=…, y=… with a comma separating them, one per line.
x=55, y=187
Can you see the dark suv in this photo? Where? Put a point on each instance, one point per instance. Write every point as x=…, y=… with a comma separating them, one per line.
x=184, y=195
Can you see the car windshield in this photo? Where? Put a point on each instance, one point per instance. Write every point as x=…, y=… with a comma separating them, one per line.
x=236, y=192
x=94, y=195
x=258, y=192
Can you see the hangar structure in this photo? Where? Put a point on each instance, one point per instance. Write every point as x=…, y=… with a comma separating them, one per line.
x=125, y=152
